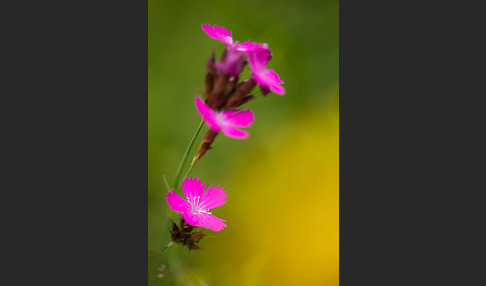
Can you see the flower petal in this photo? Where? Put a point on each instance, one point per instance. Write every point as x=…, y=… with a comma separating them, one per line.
x=269, y=79
x=218, y=33
x=213, y=197
x=192, y=218
x=273, y=82
x=192, y=188
x=176, y=202
x=238, y=118
x=211, y=222
x=248, y=47
x=232, y=64
x=208, y=115
x=258, y=61
x=235, y=133
x=261, y=51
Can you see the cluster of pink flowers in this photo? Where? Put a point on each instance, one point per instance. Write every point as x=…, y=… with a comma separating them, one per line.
x=222, y=94
x=257, y=54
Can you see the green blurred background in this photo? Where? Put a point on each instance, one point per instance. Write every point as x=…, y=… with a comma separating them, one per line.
x=282, y=209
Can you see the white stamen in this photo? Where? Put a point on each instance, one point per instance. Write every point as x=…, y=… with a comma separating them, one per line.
x=195, y=208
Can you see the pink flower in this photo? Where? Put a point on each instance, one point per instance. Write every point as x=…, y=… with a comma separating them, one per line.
x=228, y=120
x=195, y=210
x=232, y=63
x=258, y=57
x=221, y=34
x=251, y=48
x=267, y=79
x=218, y=33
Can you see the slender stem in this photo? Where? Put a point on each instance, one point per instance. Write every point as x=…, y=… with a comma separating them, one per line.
x=188, y=171
x=166, y=183
x=174, y=256
x=184, y=158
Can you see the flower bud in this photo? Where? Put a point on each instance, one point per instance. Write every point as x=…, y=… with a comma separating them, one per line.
x=204, y=146
x=184, y=235
x=218, y=95
x=240, y=94
x=210, y=78
x=231, y=63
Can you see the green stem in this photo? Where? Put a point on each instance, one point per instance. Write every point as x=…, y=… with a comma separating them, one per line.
x=174, y=255
x=166, y=183
x=184, y=158
x=188, y=171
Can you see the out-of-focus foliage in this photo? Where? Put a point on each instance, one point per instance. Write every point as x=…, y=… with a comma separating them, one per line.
x=282, y=182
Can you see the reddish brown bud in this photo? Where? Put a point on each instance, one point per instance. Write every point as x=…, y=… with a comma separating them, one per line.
x=204, y=146
x=240, y=94
x=180, y=234
x=197, y=236
x=185, y=235
x=210, y=78
x=264, y=90
x=220, y=88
